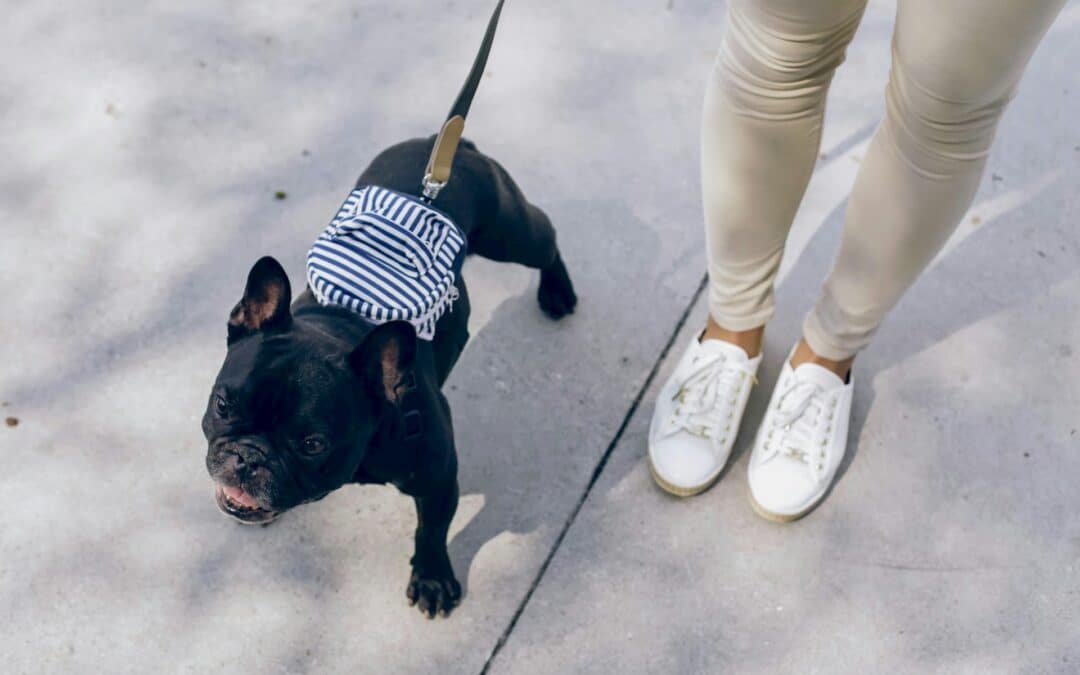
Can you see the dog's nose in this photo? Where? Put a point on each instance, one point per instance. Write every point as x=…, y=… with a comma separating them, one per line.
x=240, y=457
x=241, y=467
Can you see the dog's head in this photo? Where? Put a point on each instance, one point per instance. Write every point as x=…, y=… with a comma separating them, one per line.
x=294, y=408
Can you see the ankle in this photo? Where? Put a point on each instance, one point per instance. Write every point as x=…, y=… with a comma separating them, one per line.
x=749, y=340
x=804, y=354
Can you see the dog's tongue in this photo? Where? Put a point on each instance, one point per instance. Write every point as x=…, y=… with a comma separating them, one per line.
x=239, y=496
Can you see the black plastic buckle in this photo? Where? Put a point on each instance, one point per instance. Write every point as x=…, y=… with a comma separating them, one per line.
x=413, y=427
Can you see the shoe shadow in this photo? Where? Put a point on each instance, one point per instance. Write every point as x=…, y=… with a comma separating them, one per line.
x=972, y=253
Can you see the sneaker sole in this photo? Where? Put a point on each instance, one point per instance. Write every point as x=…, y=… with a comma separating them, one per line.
x=782, y=517
x=680, y=491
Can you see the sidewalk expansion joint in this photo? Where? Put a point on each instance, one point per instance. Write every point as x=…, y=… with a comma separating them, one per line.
x=600, y=465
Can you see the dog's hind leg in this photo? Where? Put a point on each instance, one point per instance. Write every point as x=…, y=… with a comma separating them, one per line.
x=556, y=292
x=521, y=233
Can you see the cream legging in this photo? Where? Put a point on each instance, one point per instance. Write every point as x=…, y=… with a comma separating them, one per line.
x=955, y=65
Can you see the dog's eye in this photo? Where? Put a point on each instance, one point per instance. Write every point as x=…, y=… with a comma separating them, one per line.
x=312, y=446
x=221, y=406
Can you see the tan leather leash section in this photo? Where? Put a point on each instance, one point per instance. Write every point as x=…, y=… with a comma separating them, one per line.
x=437, y=173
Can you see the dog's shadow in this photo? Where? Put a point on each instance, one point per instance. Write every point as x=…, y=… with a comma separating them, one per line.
x=511, y=404
x=535, y=402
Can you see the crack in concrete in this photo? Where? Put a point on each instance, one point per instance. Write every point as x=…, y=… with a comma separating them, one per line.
x=944, y=569
x=631, y=411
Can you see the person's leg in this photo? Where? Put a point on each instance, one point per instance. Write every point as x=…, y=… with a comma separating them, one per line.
x=761, y=131
x=955, y=66
x=761, y=127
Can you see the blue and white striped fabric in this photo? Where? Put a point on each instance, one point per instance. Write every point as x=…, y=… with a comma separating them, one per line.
x=388, y=256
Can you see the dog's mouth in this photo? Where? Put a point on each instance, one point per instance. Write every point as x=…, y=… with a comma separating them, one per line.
x=235, y=502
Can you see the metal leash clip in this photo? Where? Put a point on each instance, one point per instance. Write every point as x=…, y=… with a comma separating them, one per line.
x=431, y=187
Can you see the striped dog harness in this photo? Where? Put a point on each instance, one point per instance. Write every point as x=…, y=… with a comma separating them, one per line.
x=388, y=256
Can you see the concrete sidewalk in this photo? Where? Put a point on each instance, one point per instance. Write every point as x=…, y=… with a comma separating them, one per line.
x=143, y=149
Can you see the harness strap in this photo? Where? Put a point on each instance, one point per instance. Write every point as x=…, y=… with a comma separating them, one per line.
x=437, y=173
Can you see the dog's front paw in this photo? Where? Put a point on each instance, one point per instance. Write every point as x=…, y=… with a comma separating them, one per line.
x=556, y=294
x=433, y=591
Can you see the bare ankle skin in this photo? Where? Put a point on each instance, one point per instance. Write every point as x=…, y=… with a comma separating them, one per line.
x=749, y=340
x=804, y=354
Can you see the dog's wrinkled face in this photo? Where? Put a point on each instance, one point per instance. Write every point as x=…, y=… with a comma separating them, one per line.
x=294, y=408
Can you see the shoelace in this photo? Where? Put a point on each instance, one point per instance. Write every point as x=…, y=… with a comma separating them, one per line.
x=712, y=384
x=801, y=408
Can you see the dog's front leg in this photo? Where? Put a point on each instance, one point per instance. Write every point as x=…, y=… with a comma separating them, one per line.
x=432, y=586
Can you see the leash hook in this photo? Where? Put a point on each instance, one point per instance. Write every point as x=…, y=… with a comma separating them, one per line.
x=437, y=173
x=432, y=187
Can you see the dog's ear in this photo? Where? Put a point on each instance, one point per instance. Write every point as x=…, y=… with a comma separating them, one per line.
x=265, y=305
x=385, y=360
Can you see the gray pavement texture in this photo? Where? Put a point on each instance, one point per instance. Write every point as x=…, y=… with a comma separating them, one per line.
x=142, y=147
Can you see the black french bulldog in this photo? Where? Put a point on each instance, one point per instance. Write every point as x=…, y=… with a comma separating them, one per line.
x=313, y=397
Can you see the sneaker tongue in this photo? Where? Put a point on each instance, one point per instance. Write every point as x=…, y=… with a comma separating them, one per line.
x=823, y=377
x=726, y=348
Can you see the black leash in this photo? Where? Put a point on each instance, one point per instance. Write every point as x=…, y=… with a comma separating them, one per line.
x=468, y=90
x=437, y=173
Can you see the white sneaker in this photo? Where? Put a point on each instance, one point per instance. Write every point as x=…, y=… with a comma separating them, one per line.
x=697, y=415
x=800, y=443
